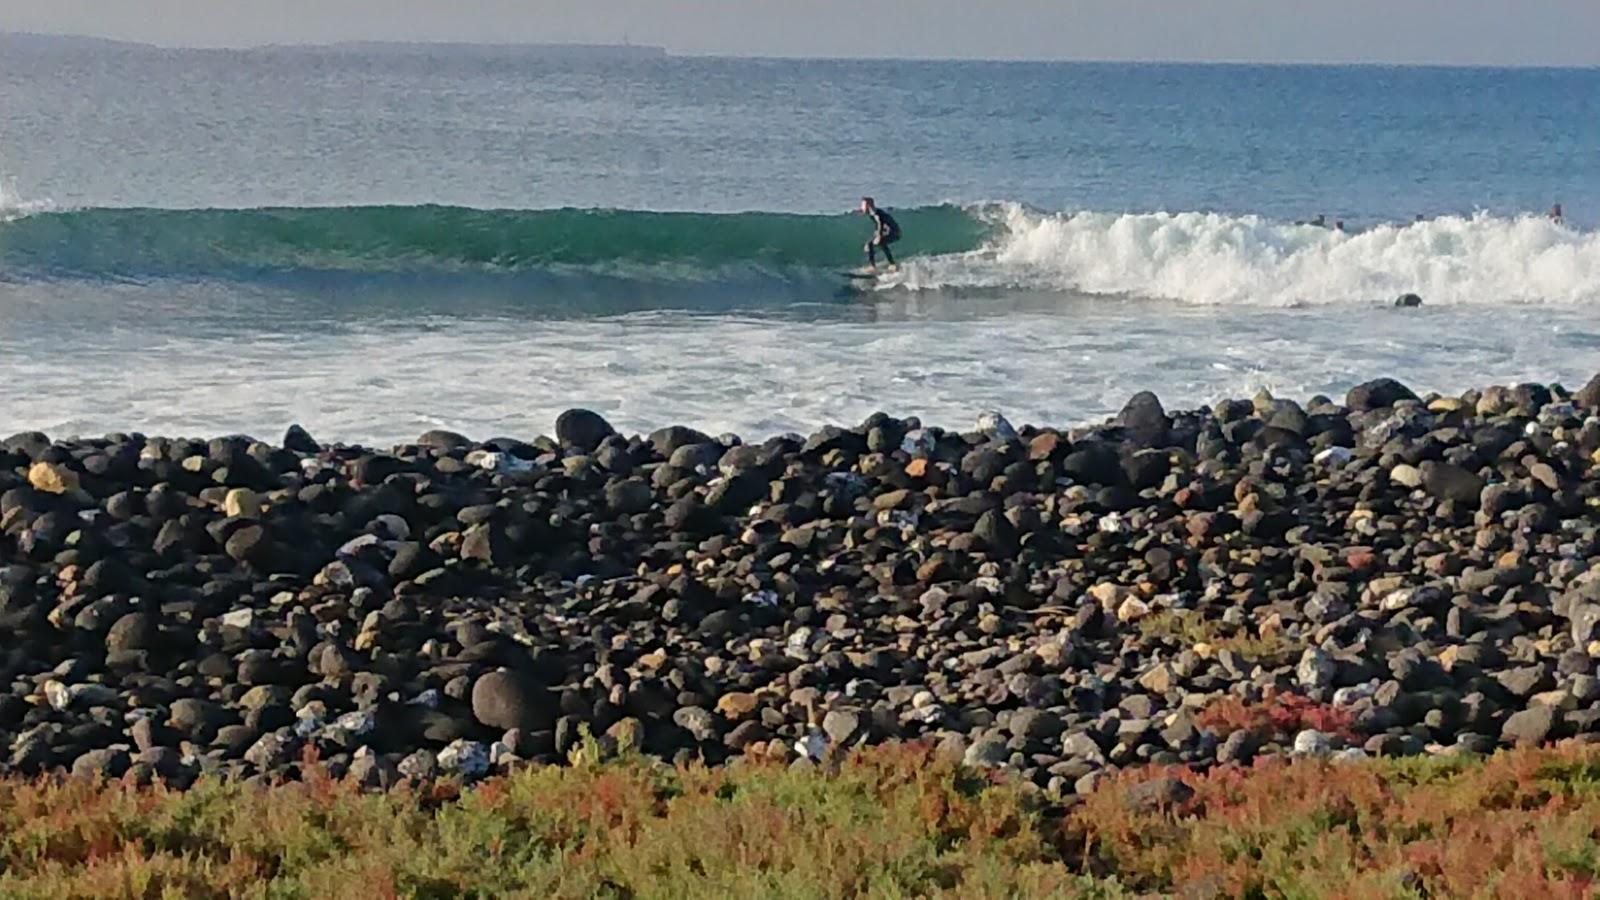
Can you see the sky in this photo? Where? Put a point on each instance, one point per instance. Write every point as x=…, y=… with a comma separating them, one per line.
x=1470, y=32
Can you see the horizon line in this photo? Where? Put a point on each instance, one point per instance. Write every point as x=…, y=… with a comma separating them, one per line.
x=350, y=43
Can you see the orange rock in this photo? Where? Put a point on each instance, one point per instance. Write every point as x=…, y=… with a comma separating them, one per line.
x=1243, y=489
x=737, y=705
x=52, y=478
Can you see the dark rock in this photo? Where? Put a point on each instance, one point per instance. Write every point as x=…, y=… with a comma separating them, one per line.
x=107, y=763
x=1447, y=481
x=1530, y=727
x=1034, y=725
x=1381, y=393
x=134, y=631
x=1147, y=469
x=252, y=544
x=196, y=719
x=999, y=536
x=487, y=544
x=1240, y=747
x=504, y=700
x=698, y=722
x=690, y=515
x=629, y=496
x=1093, y=464
x=1588, y=396
x=667, y=440
x=440, y=439
x=1158, y=795
x=582, y=430
x=299, y=440
x=1144, y=420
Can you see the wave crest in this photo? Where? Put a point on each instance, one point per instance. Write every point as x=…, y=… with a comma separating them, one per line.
x=1209, y=258
x=389, y=240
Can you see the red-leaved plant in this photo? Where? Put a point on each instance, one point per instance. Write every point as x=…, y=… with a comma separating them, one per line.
x=1279, y=715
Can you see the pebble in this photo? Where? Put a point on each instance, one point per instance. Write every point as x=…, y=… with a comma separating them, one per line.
x=1064, y=602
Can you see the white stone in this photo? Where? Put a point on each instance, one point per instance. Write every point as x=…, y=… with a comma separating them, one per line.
x=464, y=757
x=1405, y=475
x=1334, y=456
x=239, y=618
x=1311, y=742
x=918, y=443
x=994, y=426
x=812, y=746
x=241, y=503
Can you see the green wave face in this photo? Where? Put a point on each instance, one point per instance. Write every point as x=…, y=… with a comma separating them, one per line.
x=157, y=243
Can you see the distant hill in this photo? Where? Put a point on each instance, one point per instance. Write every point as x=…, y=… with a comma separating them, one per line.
x=24, y=40
x=562, y=51
x=19, y=41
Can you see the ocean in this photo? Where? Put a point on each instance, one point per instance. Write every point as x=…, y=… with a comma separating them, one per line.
x=374, y=241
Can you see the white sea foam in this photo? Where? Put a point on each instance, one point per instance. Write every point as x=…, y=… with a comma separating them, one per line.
x=1059, y=361
x=12, y=206
x=1213, y=259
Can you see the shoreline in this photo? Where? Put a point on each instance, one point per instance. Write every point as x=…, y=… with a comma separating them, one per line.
x=1386, y=576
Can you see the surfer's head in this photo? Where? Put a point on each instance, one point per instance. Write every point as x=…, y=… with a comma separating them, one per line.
x=867, y=205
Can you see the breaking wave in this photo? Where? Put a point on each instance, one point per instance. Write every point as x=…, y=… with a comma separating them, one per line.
x=1192, y=257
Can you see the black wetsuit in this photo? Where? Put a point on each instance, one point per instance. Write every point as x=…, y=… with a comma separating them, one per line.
x=887, y=232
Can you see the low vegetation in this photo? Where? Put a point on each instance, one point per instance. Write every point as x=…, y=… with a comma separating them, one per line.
x=1190, y=629
x=1278, y=716
x=893, y=821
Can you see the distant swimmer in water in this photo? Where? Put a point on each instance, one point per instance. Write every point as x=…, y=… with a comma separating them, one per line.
x=885, y=231
x=1555, y=214
x=1338, y=225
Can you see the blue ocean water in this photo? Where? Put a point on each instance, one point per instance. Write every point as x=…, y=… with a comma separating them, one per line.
x=371, y=239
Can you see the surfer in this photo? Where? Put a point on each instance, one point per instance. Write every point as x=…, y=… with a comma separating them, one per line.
x=885, y=231
x=1555, y=214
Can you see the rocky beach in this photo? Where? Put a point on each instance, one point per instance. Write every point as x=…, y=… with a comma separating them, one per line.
x=1383, y=575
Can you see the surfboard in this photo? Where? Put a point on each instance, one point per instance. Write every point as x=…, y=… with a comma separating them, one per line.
x=878, y=275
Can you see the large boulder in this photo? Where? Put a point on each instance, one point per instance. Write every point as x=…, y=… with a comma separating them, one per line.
x=666, y=440
x=134, y=631
x=503, y=700
x=1588, y=396
x=1381, y=393
x=297, y=439
x=1144, y=420
x=582, y=430
x=441, y=439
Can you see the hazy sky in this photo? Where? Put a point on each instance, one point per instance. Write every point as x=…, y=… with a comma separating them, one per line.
x=1537, y=32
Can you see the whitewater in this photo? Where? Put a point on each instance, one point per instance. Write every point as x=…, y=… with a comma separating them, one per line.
x=373, y=245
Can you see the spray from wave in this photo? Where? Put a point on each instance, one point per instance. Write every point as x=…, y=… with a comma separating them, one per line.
x=1191, y=257
x=1208, y=258
x=12, y=206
